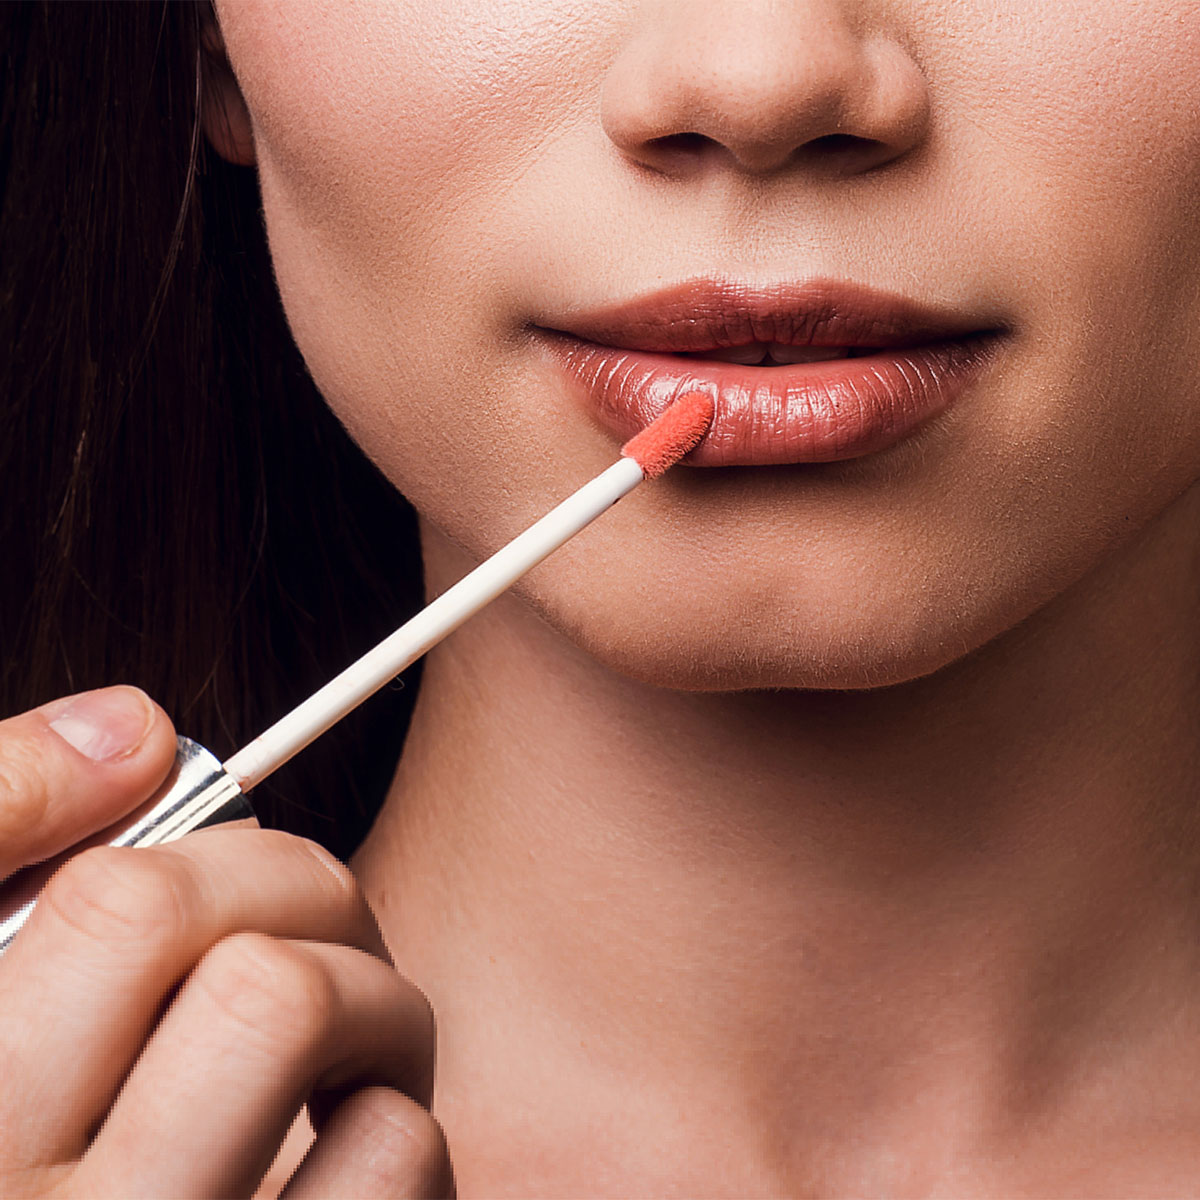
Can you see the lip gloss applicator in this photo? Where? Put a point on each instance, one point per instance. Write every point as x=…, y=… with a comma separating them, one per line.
x=202, y=791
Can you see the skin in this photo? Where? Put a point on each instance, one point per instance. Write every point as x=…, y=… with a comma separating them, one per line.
x=869, y=867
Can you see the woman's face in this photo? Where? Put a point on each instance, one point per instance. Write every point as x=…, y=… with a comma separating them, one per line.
x=446, y=184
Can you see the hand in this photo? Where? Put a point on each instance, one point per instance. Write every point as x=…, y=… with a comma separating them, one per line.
x=167, y=1012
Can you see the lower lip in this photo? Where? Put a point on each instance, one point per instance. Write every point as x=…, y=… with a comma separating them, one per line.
x=798, y=413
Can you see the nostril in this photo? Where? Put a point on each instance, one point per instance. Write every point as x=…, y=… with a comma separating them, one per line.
x=845, y=150
x=836, y=143
x=840, y=154
x=683, y=143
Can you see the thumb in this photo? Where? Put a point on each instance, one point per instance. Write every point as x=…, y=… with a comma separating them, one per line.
x=75, y=766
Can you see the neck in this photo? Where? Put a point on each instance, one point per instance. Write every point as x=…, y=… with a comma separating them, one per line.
x=919, y=891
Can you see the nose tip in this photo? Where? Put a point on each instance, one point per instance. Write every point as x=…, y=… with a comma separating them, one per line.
x=743, y=87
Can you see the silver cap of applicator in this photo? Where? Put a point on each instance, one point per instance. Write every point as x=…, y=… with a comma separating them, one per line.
x=198, y=792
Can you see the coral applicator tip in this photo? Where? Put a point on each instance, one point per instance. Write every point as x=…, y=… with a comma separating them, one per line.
x=672, y=434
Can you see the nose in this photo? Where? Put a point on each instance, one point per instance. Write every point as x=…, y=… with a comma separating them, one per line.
x=760, y=86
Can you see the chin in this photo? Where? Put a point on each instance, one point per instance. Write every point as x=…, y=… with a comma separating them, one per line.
x=741, y=645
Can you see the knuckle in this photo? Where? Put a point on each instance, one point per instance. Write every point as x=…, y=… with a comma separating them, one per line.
x=121, y=895
x=24, y=793
x=271, y=990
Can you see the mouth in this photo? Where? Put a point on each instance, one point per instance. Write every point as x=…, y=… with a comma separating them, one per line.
x=817, y=372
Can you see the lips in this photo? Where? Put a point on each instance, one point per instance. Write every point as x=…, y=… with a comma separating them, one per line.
x=814, y=373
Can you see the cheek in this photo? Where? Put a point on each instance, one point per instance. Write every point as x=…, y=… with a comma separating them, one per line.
x=392, y=142
x=363, y=104
x=1070, y=144
x=1074, y=131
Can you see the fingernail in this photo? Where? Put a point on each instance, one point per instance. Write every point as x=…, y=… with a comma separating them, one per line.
x=105, y=724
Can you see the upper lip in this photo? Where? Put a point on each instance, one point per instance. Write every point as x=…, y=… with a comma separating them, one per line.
x=701, y=315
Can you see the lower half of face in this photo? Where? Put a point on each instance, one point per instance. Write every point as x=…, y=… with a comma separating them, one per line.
x=464, y=207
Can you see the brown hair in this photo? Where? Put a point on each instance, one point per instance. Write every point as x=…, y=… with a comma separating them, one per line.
x=178, y=507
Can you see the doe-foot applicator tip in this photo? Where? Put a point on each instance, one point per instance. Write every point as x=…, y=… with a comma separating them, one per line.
x=668, y=438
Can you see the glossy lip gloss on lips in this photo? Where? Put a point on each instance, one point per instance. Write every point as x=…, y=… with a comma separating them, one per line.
x=813, y=372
